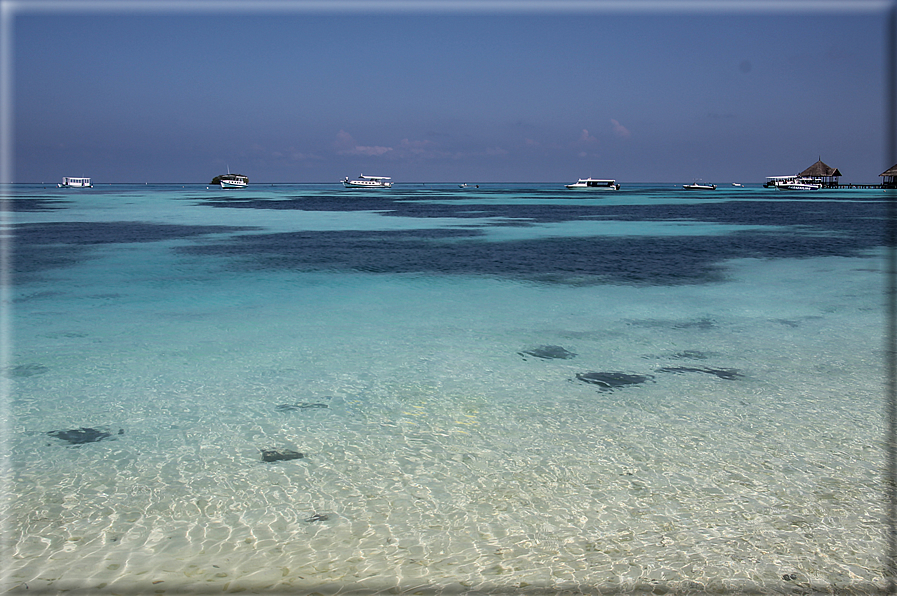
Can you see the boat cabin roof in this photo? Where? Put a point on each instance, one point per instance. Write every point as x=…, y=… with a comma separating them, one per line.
x=374, y=177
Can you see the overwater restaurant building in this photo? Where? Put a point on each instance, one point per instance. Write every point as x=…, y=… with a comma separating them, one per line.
x=889, y=177
x=827, y=175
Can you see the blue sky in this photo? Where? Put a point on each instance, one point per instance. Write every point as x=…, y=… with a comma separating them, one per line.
x=297, y=92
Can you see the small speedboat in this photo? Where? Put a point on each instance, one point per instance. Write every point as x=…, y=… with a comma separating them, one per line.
x=736, y=184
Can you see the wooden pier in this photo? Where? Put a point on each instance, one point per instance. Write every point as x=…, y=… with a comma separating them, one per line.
x=840, y=186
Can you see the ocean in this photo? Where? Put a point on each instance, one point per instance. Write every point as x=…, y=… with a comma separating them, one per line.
x=507, y=388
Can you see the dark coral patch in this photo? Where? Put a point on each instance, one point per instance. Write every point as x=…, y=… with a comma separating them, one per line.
x=611, y=380
x=549, y=353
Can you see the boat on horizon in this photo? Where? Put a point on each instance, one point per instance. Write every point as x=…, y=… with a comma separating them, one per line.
x=231, y=180
x=697, y=185
x=793, y=182
x=368, y=182
x=800, y=184
x=594, y=184
x=75, y=183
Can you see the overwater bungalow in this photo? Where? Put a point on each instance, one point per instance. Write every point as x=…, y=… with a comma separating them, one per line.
x=827, y=175
x=889, y=177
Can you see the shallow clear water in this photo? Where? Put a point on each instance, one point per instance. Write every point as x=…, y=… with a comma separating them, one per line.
x=388, y=336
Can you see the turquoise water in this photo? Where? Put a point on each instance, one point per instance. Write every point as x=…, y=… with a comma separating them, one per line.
x=389, y=337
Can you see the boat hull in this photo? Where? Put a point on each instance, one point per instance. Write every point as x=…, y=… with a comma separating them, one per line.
x=366, y=184
x=798, y=186
x=75, y=183
x=593, y=184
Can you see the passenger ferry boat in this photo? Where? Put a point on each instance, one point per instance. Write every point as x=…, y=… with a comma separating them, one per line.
x=800, y=184
x=793, y=183
x=697, y=185
x=233, y=181
x=75, y=183
x=368, y=182
x=594, y=184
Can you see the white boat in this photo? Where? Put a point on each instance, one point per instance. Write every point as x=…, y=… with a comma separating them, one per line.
x=737, y=185
x=75, y=183
x=233, y=180
x=594, y=184
x=699, y=186
x=774, y=181
x=800, y=184
x=368, y=182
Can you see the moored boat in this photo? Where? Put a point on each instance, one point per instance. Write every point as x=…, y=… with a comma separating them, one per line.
x=75, y=183
x=231, y=180
x=594, y=184
x=774, y=181
x=696, y=185
x=368, y=182
x=793, y=183
x=800, y=184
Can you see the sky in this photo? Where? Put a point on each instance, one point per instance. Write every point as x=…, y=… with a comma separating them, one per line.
x=474, y=91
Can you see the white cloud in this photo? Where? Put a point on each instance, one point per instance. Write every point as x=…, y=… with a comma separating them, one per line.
x=423, y=148
x=346, y=145
x=619, y=130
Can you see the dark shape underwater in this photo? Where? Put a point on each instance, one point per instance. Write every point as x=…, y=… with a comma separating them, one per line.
x=611, y=380
x=549, y=353
x=79, y=436
x=269, y=455
x=299, y=406
x=25, y=370
x=729, y=374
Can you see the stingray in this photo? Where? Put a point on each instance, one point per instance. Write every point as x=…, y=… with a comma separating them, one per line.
x=729, y=374
x=300, y=406
x=549, y=353
x=79, y=436
x=22, y=371
x=611, y=380
x=280, y=455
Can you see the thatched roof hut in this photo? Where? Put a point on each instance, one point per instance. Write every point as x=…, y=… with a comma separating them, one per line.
x=889, y=177
x=826, y=173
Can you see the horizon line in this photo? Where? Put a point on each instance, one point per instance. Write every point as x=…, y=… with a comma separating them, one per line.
x=12, y=7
